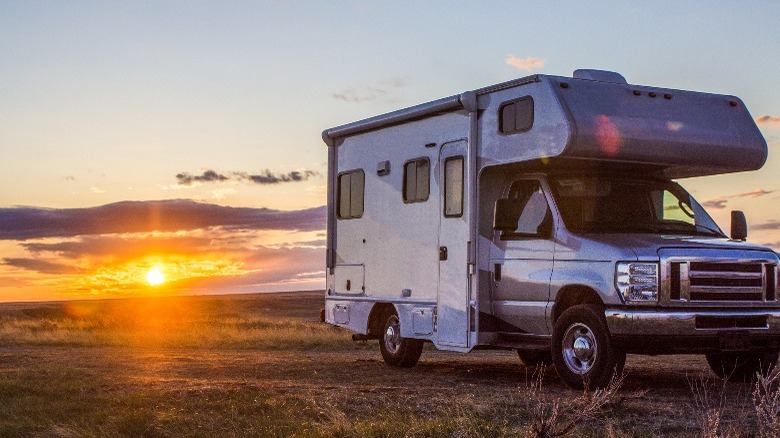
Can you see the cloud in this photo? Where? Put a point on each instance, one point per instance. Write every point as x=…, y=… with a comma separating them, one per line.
x=220, y=194
x=721, y=202
x=37, y=265
x=187, y=179
x=288, y=262
x=772, y=225
x=124, y=247
x=263, y=177
x=23, y=223
x=216, y=261
x=369, y=92
x=715, y=203
x=527, y=64
x=268, y=177
x=753, y=194
x=768, y=120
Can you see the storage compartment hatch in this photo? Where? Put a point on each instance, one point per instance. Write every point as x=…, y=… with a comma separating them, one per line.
x=349, y=280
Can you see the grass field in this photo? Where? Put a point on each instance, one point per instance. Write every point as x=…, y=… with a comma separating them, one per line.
x=263, y=365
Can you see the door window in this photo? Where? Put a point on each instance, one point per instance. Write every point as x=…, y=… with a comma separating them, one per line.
x=453, y=187
x=528, y=204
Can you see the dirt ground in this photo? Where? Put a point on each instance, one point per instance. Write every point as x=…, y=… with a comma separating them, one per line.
x=334, y=388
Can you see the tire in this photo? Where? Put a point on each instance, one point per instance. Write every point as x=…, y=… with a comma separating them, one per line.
x=398, y=351
x=582, y=351
x=534, y=358
x=742, y=367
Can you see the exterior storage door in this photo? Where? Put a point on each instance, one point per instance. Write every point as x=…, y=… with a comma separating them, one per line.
x=453, y=294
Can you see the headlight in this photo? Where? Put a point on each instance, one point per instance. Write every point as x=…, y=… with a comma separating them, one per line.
x=637, y=282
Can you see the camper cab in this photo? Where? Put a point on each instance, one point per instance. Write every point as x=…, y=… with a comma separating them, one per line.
x=543, y=215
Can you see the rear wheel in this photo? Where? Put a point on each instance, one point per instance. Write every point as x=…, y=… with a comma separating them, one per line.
x=398, y=351
x=583, y=353
x=534, y=358
x=742, y=367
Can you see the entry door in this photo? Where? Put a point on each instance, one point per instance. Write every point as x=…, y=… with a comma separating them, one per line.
x=453, y=294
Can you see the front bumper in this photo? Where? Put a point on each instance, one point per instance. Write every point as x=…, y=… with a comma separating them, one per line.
x=680, y=331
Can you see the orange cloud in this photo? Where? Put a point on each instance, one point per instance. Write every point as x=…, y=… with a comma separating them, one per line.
x=200, y=261
x=200, y=248
x=527, y=64
x=23, y=223
x=767, y=120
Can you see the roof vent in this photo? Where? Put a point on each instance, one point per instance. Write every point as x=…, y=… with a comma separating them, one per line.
x=599, y=75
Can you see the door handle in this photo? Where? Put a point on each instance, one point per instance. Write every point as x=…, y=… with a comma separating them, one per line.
x=442, y=253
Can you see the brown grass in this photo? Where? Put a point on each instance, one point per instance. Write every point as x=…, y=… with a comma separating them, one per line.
x=262, y=365
x=561, y=416
x=766, y=400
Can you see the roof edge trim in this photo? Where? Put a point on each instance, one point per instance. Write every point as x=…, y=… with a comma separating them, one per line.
x=425, y=109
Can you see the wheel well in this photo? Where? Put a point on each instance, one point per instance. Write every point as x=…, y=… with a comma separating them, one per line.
x=377, y=317
x=573, y=295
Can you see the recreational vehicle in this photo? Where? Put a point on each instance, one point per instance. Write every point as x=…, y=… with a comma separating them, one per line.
x=543, y=215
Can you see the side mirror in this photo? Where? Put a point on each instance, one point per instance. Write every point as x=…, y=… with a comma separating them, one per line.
x=503, y=219
x=738, y=225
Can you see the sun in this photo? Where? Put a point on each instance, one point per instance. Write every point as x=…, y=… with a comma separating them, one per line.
x=155, y=276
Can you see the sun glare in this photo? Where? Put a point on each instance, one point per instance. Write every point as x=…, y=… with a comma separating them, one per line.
x=155, y=276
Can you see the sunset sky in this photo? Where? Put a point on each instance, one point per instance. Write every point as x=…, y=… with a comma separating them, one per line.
x=178, y=142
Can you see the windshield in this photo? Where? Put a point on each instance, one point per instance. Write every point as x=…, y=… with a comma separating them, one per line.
x=605, y=205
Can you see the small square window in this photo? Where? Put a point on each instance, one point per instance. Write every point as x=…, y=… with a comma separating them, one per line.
x=516, y=116
x=350, y=194
x=417, y=177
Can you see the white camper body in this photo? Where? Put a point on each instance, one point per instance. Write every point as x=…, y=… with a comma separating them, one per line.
x=415, y=198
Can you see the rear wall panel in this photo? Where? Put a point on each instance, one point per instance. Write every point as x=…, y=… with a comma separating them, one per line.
x=396, y=242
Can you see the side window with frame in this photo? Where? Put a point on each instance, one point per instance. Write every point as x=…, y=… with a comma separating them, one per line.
x=350, y=194
x=453, y=186
x=417, y=180
x=516, y=116
x=529, y=205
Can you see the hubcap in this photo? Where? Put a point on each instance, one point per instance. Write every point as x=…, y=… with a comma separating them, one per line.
x=393, y=335
x=579, y=348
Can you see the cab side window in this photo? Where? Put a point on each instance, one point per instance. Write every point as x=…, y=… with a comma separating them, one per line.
x=528, y=204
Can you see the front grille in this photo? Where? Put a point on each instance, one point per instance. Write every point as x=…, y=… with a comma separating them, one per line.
x=731, y=322
x=721, y=281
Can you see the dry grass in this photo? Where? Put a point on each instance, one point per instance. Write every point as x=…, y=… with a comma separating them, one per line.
x=561, y=416
x=766, y=400
x=264, y=366
x=190, y=322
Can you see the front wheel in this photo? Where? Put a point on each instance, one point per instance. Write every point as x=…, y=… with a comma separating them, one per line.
x=742, y=367
x=583, y=353
x=398, y=351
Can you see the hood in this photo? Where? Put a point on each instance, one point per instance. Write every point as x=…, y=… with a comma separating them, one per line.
x=646, y=246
